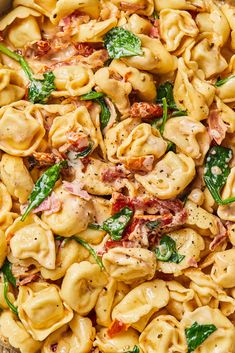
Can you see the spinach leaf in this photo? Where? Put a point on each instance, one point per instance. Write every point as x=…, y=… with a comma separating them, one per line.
x=121, y=43
x=116, y=224
x=94, y=226
x=43, y=187
x=197, y=334
x=6, y=270
x=167, y=252
x=152, y=225
x=5, y=293
x=86, y=246
x=216, y=172
x=85, y=152
x=39, y=90
x=134, y=350
x=98, y=97
x=164, y=117
x=171, y=146
x=91, y=96
x=165, y=90
x=223, y=81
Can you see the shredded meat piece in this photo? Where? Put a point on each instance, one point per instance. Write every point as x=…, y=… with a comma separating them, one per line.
x=217, y=128
x=50, y=205
x=145, y=110
x=38, y=49
x=220, y=237
x=113, y=172
x=29, y=279
x=155, y=30
x=76, y=188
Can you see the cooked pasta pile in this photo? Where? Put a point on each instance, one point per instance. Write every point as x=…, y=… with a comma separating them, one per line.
x=117, y=176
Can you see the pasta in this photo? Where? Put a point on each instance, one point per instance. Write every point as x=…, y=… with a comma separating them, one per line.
x=117, y=176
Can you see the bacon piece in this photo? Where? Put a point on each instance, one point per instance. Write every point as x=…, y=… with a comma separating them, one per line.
x=113, y=172
x=116, y=327
x=44, y=159
x=75, y=188
x=217, y=128
x=50, y=205
x=140, y=164
x=76, y=141
x=155, y=30
x=38, y=48
x=220, y=237
x=192, y=262
x=145, y=110
x=29, y=279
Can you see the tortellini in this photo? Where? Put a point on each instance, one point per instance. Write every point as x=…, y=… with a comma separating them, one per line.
x=142, y=82
x=73, y=217
x=155, y=58
x=23, y=26
x=67, y=254
x=21, y=128
x=45, y=7
x=220, y=341
x=197, y=53
x=178, y=29
x=169, y=176
x=105, y=303
x=180, y=298
x=198, y=5
x=84, y=281
x=3, y=248
x=214, y=21
x=222, y=271
x=129, y=139
x=229, y=13
x=32, y=239
x=188, y=135
x=73, y=80
x=11, y=86
x=41, y=309
x=201, y=220
x=117, y=344
x=16, y=177
x=226, y=91
x=142, y=7
x=6, y=216
x=78, y=121
x=192, y=93
x=189, y=244
x=130, y=265
x=163, y=334
x=117, y=90
x=63, y=9
x=12, y=329
x=141, y=303
x=78, y=337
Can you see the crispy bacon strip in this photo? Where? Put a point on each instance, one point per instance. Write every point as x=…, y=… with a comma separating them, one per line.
x=76, y=141
x=145, y=110
x=113, y=172
x=155, y=30
x=140, y=164
x=29, y=279
x=116, y=328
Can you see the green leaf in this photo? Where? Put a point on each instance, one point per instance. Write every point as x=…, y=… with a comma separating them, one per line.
x=179, y=113
x=197, y=334
x=171, y=146
x=105, y=113
x=85, y=152
x=216, y=172
x=223, y=81
x=116, y=224
x=39, y=90
x=165, y=90
x=155, y=15
x=94, y=226
x=5, y=293
x=91, y=96
x=134, y=350
x=98, y=97
x=43, y=187
x=164, y=117
x=6, y=270
x=152, y=225
x=167, y=252
x=121, y=43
